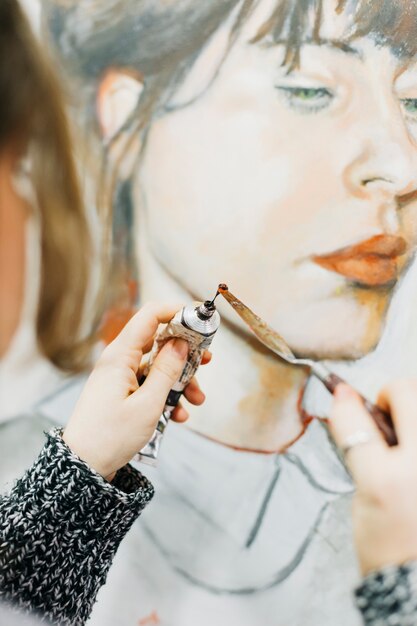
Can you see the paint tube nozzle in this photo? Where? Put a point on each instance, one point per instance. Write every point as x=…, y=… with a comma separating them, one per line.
x=206, y=310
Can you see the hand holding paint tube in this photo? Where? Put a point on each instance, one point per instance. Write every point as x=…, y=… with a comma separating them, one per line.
x=115, y=416
x=197, y=324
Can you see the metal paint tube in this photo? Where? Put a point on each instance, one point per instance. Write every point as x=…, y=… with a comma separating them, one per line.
x=197, y=324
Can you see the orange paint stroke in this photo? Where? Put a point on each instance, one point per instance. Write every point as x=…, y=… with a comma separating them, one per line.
x=150, y=620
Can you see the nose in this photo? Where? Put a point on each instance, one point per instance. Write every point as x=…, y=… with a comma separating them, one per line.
x=386, y=162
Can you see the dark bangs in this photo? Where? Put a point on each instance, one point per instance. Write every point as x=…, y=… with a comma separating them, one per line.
x=161, y=39
x=391, y=23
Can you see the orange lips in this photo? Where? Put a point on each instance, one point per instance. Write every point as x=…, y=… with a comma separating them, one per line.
x=373, y=262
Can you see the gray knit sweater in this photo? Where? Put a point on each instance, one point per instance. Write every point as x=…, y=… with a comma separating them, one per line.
x=60, y=528
x=388, y=597
x=62, y=524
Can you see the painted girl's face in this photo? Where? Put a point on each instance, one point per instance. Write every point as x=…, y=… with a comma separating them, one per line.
x=292, y=188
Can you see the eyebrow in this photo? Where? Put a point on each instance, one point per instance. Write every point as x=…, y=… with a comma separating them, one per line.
x=334, y=44
x=337, y=44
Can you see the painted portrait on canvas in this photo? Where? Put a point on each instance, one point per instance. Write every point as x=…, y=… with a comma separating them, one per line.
x=270, y=144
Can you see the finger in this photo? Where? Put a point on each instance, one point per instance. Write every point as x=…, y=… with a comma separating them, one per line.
x=349, y=416
x=400, y=399
x=180, y=414
x=193, y=393
x=141, y=328
x=165, y=371
x=207, y=356
x=148, y=345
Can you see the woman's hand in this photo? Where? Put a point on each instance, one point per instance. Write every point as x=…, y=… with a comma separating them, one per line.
x=385, y=504
x=114, y=417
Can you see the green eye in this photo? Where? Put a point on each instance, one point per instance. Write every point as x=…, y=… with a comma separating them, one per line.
x=308, y=93
x=410, y=105
x=306, y=99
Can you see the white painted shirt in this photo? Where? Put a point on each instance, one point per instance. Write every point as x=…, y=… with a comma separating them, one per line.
x=238, y=539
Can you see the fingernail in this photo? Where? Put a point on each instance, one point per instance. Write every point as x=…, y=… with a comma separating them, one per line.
x=344, y=392
x=180, y=347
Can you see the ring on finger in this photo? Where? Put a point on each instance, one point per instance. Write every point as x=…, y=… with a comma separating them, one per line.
x=358, y=438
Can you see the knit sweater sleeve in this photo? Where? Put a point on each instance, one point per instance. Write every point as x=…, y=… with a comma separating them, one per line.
x=389, y=596
x=60, y=528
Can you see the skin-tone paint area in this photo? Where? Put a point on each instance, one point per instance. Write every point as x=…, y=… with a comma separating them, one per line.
x=297, y=190
x=13, y=215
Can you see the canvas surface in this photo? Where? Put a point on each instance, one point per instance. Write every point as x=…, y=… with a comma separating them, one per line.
x=271, y=145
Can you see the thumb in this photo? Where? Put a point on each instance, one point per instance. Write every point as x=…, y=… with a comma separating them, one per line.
x=166, y=369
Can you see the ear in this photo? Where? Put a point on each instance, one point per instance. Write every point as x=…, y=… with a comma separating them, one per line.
x=117, y=96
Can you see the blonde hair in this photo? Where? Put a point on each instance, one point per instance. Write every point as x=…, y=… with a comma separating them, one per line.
x=32, y=116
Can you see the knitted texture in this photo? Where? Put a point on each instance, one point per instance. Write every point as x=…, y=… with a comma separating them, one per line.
x=60, y=528
x=388, y=597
